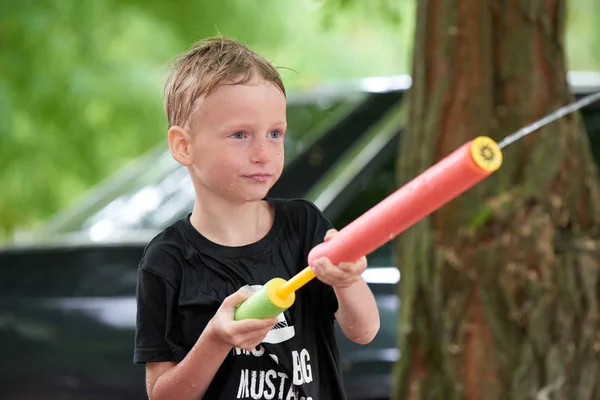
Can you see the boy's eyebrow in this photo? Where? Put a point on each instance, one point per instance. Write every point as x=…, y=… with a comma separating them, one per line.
x=245, y=125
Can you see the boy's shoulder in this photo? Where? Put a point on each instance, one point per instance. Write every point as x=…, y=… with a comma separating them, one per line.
x=164, y=251
x=304, y=217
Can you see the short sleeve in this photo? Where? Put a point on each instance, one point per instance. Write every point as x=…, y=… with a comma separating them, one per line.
x=156, y=336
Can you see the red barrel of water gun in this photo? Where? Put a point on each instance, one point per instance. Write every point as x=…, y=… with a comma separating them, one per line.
x=442, y=182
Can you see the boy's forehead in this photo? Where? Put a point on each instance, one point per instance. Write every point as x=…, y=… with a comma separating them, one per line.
x=233, y=101
x=252, y=95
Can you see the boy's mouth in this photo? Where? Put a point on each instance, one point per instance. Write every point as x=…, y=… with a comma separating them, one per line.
x=258, y=177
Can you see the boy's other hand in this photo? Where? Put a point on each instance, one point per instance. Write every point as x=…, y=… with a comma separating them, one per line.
x=245, y=334
x=339, y=276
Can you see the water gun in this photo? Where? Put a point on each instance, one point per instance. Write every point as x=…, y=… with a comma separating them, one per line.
x=436, y=186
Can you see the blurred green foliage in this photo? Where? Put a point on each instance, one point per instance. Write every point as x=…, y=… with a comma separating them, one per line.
x=81, y=81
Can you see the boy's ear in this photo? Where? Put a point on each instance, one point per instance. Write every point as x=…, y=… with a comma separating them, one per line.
x=180, y=144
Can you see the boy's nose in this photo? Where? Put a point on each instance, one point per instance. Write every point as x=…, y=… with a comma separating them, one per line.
x=260, y=154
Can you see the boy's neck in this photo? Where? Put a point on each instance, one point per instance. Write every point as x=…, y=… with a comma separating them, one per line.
x=230, y=224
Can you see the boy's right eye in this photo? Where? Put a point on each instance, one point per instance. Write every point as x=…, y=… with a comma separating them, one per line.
x=238, y=135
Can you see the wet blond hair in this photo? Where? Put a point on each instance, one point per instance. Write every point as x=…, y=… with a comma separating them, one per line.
x=207, y=64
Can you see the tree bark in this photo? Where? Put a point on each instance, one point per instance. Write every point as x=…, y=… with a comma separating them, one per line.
x=500, y=289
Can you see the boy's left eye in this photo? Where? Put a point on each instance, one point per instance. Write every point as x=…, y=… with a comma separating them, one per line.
x=275, y=133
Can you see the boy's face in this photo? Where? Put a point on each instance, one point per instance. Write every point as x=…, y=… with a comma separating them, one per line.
x=236, y=141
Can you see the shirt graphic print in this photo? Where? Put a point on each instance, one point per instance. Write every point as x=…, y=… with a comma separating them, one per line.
x=272, y=383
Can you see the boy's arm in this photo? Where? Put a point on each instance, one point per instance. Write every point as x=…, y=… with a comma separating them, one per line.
x=357, y=312
x=190, y=378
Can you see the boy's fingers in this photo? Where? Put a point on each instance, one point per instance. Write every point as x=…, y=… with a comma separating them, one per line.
x=324, y=269
x=254, y=335
x=347, y=267
x=251, y=325
x=354, y=267
x=251, y=330
x=362, y=262
x=236, y=298
x=269, y=322
x=330, y=233
x=338, y=275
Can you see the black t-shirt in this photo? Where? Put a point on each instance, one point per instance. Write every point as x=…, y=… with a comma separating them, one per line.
x=183, y=278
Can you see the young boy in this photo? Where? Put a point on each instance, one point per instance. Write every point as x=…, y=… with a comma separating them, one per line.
x=226, y=109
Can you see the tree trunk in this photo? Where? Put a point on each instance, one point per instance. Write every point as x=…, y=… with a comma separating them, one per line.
x=500, y=288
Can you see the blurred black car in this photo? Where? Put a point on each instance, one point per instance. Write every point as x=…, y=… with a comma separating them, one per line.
x=67, y=294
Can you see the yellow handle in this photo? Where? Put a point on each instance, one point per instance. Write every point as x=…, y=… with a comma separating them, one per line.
x=295, y=283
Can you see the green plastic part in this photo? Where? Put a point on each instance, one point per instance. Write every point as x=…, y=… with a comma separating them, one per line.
x=257, y=306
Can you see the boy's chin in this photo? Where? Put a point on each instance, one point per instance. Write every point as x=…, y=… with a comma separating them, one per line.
x=252, y=196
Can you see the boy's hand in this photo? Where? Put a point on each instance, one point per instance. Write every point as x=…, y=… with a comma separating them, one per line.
x=245, y=334
x=339, y=276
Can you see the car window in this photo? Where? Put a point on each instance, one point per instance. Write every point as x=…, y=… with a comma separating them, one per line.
x=305, y=119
